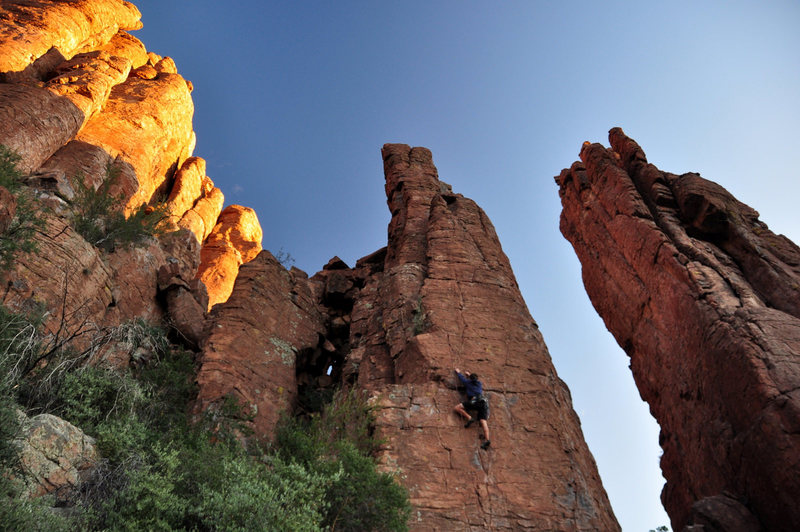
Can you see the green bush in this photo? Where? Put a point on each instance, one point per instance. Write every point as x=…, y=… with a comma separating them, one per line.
x=27, y=219
x=362, y=498
x=97, y=215
x=338, y=444
x=161, y=471
x=252, y=496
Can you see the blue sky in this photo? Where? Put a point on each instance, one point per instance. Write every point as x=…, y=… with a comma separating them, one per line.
x=295, y=99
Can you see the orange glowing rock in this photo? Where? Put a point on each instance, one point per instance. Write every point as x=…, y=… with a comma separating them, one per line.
x=235, y=240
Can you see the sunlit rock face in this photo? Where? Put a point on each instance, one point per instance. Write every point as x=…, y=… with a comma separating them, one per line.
x=79, y=95
x=705, y=300
x=235, y=240
x=440, y=295
x=33, y=27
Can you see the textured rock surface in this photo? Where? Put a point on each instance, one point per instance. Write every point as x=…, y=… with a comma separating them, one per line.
x=146, y=124
x=235, y=240
x=254, y=340
x=32, y=27
x=440, y=295
x=447, y=297
x=77, y=94
x=53, y=454
x=705, y=300
x=194, y=202
x=67, y=275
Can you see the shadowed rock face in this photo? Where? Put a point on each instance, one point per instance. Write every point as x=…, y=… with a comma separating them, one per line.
x=440, y=295
x=705, y=300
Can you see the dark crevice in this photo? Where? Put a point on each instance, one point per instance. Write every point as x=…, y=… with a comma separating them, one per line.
x=320, y=370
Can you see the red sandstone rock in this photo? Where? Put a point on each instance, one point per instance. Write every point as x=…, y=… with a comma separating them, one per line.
x=194, y=202
x=66, y=275
x=188, y=186
x=705, y=299
x=445, y=296
x=42, y=39
x=35, y=122
x=202, y=217
x=8, y=209
x=147, y=125
x=235, y=240
x=255, y=337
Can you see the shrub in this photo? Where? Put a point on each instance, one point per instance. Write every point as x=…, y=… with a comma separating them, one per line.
x=98, y=217
x=252, y=496
x=362, y=498
x=338, y=444
x=20, y=346
x=27, y=219
x=160, y=471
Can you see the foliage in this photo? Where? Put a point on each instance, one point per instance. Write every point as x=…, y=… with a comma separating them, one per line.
x=162, y=471
x=27, y=219
x=339, y=444
x=260, y=498
x=284, y=258
x=97, y=215
x=20, y=346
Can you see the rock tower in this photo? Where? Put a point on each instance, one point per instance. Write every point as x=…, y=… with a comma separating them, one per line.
x=705, y=300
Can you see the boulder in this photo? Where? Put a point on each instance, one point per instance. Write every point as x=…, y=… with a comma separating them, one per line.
x=54, y=455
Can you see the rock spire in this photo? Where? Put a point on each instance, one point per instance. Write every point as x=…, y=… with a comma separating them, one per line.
x=705, y=300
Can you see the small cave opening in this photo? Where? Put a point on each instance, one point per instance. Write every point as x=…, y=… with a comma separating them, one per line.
x=320, y=370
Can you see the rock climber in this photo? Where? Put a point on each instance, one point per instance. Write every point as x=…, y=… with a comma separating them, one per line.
x=476, y=401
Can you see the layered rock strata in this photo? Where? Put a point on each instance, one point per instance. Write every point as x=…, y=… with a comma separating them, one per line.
x=440, y=295
x=705, y=300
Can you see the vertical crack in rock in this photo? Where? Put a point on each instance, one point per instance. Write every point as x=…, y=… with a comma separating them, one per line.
x=705, y=300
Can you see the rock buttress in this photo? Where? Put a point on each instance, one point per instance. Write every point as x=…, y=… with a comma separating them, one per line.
x=443, y=295
x=705, y=300
x=256, y=335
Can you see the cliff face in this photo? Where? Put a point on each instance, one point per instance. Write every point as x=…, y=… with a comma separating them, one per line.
x=705, y=300
x=440, y=295
x=78, y=94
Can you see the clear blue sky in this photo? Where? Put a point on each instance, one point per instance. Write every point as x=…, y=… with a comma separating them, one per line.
x=295, y=99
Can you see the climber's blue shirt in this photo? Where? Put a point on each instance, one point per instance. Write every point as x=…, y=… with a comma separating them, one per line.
x=474, y=388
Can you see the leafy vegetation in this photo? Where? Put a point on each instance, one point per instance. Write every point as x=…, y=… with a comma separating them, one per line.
x=27, y=219
x=97, y=215
x=338, y=444
x=162, y=471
